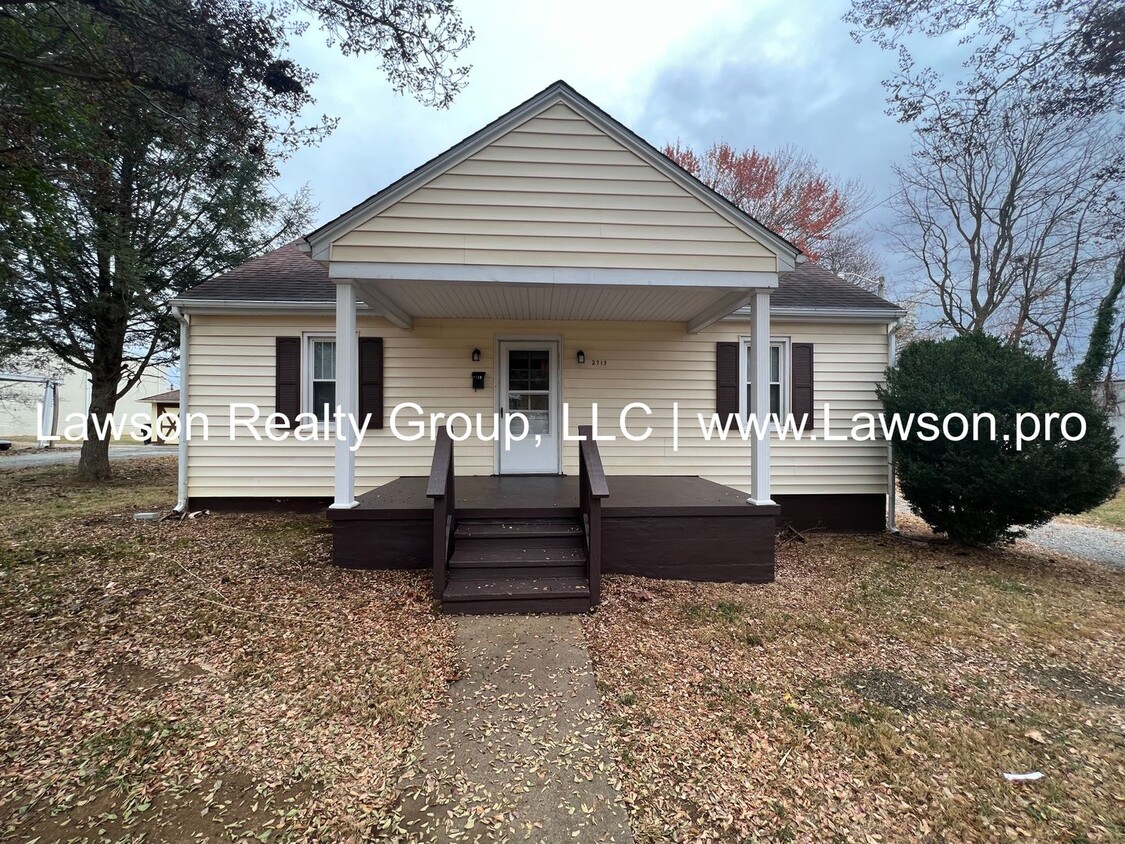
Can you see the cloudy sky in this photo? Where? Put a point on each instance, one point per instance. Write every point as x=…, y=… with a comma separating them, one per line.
x=759, y=73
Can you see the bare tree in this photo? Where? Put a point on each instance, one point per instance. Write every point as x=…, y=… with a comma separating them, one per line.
x=30, y=362
x=1007, y=216
x=1069, y=53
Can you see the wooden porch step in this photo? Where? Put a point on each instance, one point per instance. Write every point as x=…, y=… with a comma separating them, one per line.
x=487, y=570
x=515, y=594
x=517, y=563
x=493, y=553
x=505, y=528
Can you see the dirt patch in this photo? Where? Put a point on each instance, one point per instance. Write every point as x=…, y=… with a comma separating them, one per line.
x=1076, y=684
x=893, y=690
x=234, y=807
x=136, y=678
x=873, y=692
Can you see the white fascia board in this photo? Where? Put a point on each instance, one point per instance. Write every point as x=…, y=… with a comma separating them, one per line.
x=490, y=273
x=786, y=254
x=320, y=241
x=828, y=314
x=245, y=306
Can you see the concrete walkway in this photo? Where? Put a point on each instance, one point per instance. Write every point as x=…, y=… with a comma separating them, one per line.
x=519, y=753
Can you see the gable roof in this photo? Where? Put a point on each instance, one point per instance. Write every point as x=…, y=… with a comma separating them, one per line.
x=169, y=397
x=557, y=93
x=287, y=275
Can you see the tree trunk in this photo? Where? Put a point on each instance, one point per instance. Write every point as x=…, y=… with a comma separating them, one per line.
x=93, y=462
x=1100, y=346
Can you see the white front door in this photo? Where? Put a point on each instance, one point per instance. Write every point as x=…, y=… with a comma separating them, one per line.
x=529, y=384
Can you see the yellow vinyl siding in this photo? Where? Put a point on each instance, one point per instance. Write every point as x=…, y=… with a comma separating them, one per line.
x=232, y=360
x=554, y=191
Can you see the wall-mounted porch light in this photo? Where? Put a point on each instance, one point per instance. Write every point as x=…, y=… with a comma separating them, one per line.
x=476, y=355
x=581, y=356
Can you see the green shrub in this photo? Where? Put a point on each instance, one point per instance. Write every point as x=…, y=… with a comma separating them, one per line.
x=978, y=491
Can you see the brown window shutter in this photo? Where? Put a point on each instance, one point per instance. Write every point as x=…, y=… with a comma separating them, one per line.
x=371, y=380
x=726, y=380
x=287, y=378
x=802, y=409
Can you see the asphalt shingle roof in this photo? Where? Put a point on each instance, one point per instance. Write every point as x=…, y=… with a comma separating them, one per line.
x=289, y=275
x=284, y=275
x=814, y=286
x=169, y=397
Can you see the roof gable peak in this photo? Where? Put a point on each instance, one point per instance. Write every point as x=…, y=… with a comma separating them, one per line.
x=558, y=92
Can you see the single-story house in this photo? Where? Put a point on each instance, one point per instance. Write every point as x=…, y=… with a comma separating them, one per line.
x=548, y=273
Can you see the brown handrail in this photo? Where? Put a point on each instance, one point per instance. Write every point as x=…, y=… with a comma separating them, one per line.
x=440, y=489
x=592, y=488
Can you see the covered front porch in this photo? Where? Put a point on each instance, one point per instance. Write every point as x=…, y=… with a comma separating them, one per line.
x=531, y=537
x=541, y=543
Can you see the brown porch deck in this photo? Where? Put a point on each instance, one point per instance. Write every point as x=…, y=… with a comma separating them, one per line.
x=677, y=527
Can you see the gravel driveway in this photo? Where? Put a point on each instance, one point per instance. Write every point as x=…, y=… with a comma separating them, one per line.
x=1100, y=545
x=1091, y=543
x=58, y=456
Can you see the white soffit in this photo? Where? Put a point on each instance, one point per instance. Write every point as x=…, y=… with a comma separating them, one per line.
x=466, y=300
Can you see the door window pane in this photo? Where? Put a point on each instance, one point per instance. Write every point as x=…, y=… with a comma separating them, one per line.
x=529, y=401
x=529, y=387
x=529, y=369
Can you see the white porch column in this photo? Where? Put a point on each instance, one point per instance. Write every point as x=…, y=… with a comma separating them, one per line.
x=347, y=394
x=759, y=372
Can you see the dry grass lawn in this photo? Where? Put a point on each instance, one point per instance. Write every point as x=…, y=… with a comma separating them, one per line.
x=877, y=691
x=1109, y=515
x=212, y=679
x=219, y=679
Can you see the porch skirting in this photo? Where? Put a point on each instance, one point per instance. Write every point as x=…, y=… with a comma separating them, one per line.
x=667, y=527
x=857, y=513
x=862, y=513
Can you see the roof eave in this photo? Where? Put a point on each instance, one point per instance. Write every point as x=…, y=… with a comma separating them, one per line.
x=243, y=305
x=836, y=314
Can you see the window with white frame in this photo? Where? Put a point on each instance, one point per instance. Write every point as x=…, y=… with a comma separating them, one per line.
x=778, y=374
x=320, y=375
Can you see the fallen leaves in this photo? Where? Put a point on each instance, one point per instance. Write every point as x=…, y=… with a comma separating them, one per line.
x=877, y=691
x=216, y=678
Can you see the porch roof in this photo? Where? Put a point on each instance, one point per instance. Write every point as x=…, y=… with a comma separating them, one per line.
x=288, y=279
x=621, y=295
